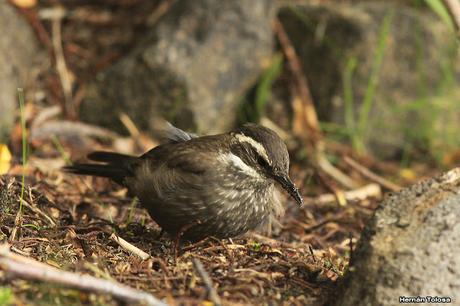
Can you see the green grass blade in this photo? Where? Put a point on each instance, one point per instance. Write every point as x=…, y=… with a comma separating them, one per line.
x=348, y=96
x=64, y=155
x=264, y=89
x=439, y=9
x=368, y=100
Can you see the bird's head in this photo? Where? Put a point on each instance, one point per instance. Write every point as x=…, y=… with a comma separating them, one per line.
x=264, y=151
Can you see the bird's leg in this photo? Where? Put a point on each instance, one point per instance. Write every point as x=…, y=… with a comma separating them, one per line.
x=179, y=235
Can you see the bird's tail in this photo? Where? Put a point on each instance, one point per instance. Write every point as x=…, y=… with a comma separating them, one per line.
x=115, y=166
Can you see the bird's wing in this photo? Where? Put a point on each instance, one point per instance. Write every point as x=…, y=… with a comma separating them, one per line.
x=176, y=166
x=175, y=187
x=190, y=162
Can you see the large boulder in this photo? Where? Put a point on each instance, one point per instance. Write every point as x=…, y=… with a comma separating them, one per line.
x=410, y=248
x=19, y=55
x=403, y=61
x=191, y=68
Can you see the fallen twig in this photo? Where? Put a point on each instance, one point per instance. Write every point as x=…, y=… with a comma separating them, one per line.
x=22, y=267
x=129, y=247
x=69, y=129
x=18, y=251
x=371, y=175
x=324, y=164
x=331, y=186
x=45, y=115
x=39, y=212
x=359, y=194
x=213, y=296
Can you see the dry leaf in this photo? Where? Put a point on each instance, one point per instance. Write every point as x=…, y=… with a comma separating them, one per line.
x=5, y=159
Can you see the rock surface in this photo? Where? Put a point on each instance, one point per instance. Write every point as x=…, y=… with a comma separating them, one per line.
x=191, y=68
x=411, y=247
x=19, y=54
x=339, y=42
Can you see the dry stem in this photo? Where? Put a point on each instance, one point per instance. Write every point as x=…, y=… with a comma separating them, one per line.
x=129, y=247
x=39, y=212
x=305, y=111
x=22, y=267
x=213, y=296
x=371, y=175
x=359, y=194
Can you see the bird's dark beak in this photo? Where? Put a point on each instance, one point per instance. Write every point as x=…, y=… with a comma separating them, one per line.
x=289, y=186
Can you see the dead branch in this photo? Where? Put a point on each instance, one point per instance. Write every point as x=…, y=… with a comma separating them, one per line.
x=70, y=129
x=324, y=164
x=305, y=110
x=45, y=115
x=338, y=192
x=56, y=15
x=213, y=296
x=22, y=267
x=365, y=192
x=309, y=113
x=18, y=251
x=129, y=247
x=371, y=175
x=61, y=66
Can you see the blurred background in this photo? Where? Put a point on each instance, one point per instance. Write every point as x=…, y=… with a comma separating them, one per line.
x=376, y=76
x=381, y=74
x=365, y=94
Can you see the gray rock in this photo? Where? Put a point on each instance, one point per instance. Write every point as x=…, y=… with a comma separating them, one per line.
x=420, y=60
x=411, y=247
x=19, y=54
x=191, y=68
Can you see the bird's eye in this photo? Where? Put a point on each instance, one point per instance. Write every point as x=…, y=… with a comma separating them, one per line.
x=262, y=161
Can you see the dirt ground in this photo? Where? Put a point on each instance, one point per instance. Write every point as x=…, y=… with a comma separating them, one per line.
x=73, y=217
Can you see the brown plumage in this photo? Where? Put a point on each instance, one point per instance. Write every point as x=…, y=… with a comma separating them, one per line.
x=220, y=185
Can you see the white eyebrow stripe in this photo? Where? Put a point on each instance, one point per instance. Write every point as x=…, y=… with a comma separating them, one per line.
x=256, y=145
x=237, y=162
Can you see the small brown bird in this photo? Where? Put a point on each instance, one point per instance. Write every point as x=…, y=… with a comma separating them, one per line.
x=194, y=187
